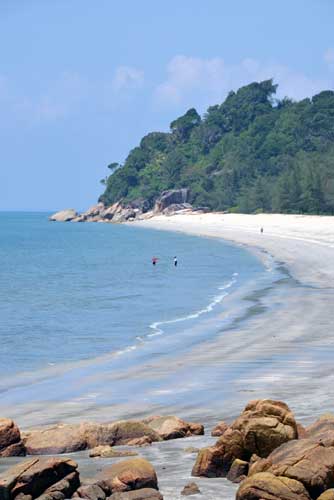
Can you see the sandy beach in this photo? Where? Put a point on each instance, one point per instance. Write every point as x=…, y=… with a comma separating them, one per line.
x=287, y=350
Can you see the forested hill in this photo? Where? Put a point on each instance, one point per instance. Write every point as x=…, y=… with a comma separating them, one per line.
x=250, y=153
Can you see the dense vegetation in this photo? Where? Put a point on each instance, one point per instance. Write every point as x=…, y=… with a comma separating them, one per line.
x=251, y=153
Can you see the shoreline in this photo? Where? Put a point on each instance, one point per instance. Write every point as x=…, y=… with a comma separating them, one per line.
x=295, y=342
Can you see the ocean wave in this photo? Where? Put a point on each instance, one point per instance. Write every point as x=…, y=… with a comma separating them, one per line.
x=217, y=299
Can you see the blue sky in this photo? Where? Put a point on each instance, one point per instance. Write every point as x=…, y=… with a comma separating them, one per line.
x=81, y=81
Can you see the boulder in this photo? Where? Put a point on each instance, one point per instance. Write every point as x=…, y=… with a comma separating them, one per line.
x=173, y=427
x=265, y=425
x=266, y=486
x=128, y=475
x=216, y=461
x=34, y=477
x=106, y=451
x=190, y=489
x=64, y=215
x=124, y=215
x=238, y=471
x=305, y=460
x=11, y=444
x=142, y=494
x=219, y=429
x=68, y=438
x=62, y=438
x=327, y=495
x=322, y=430
x=91, y=491
x=63, y=488
x=191, y=449
x=177, y=207
x=171, y=197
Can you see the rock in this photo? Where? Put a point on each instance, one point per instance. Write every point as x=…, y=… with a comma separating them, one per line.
x=173, y=427
x=322, y=430
x=190, y=489
x=266, y=486
x=142, y=441
x=33, y=477
x=219, y=429
x=63, y=488
x=64, y=215
x=127, y=475
x=94, y=211
x=62, y=438
x=191, y=449
x=91, y=490
x=11, y=444
x=238, y=471
x=177, y=207
x=216, y=461
x=327, y=495
x=265, y=425
x=68, y=438
x=109, y=452
x=124, y=215
x=304, y=460
x=171, y=197
x=142, y=494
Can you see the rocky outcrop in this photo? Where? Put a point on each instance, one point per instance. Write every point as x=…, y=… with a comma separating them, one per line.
x=64, y=215
x=322, y=430
x=173, y=427
x=68, y=438
x=46, y=478
x=128, y=475
x=265, y=425
x=171, y=197
x=305, y=460
x=215, y=461
x=266, y=486
x=261, y=427
x=11, y=444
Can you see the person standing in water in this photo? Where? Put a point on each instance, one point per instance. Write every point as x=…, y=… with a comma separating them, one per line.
x=154, y=261
x=175, y=261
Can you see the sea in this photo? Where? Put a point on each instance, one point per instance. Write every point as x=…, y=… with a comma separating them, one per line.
x=91, y=330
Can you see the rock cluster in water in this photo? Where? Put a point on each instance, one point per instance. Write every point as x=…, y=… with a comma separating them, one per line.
x=170, y=202
x=264, y=449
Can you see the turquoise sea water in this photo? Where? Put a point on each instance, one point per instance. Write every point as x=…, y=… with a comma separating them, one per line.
x=74, y=292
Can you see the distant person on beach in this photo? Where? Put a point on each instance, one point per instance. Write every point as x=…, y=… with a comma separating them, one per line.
x=175, y=261
x=154, y=260
x=261, y=230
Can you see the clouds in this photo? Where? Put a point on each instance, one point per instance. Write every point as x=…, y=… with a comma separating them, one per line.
x=127, y=77
x=199, y=81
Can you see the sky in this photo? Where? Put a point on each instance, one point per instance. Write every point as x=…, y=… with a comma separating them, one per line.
x=82, y=81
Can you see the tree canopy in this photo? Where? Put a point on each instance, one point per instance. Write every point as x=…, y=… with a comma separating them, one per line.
x=251, y=153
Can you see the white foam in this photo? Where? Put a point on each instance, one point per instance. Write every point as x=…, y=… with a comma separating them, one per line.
x=217, y=299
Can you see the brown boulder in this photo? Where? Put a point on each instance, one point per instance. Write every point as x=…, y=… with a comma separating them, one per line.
x=142, y=494
x=173, y=427
x=322, y=430
x=127, y=475
x=305, y=460
x=62, y=438
x=90, y=492
x=33, y=477
x=106, y=451
x=11, y=444
x=238, y=471
x=190, y=489
x=216, y=461
x=265, y=425
x=266, y=486
x=327, y=495
x=68, y=438
x=63, y=488
x=219, y=429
